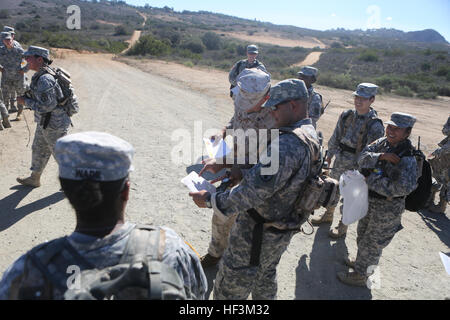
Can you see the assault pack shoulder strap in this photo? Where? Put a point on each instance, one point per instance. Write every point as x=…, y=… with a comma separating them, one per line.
x=69, y=100
x=349, y=118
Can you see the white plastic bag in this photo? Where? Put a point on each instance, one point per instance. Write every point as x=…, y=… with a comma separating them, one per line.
x=354, y=191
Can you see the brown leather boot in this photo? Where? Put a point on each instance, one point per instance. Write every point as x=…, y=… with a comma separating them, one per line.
x=338, y=232
x=5, y=121
x=209, y=261
x=327, y=217
x=440, y=207
x=19, y=113
x=32, y=181
x=352, y=278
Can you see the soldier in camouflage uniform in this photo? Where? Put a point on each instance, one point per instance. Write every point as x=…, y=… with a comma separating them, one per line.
x=315, y=104
x=440, y=162
x=254, y=86
x=94, y=173
x=249, y=63
x=13, y=78
x=13, y=35
x=355, y=129
x=267, y=220
x=52, y=121
x=391, y=172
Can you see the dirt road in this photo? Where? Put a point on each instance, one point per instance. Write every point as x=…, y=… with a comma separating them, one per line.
x=310, y=59
x=153, y=110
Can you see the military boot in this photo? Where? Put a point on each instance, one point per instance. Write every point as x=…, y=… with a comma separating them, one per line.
x=339, y=231
x=352, y=278
x=327, y=217
x=5, y=121
x=209, y=261
x=440, y=207
x=19, y=113
x=32, y=181
x=350, y=262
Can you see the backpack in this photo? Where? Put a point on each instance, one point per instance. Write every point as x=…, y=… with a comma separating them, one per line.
x=418, y=199
x=319, y=190
x=69, y=100
x=140, y=273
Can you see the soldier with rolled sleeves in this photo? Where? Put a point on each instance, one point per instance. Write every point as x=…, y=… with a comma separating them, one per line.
x=52, y=120
x=315, y=105
x=267, y=218
x=440, y=163
x=13, y=73
x=355, y=129
x=94, y=172
x=249, y=63
x=249, y=117
x=391, y=172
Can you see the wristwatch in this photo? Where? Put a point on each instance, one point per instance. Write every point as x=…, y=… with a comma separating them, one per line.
x=208, y=201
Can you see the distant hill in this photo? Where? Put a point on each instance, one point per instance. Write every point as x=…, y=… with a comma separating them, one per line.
x=414, y=64
x=425, y=36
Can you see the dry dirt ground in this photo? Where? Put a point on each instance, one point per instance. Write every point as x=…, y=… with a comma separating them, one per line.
x=274, y=39
x=310, y=59
x=152, y=104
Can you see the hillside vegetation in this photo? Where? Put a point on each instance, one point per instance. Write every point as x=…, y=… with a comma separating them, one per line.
x=413, y=64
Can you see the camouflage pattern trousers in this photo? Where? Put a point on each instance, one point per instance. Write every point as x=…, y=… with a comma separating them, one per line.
x=236, y=278
x=10, y=87
x=376, y=230
x=220, y=232
x=43, y=146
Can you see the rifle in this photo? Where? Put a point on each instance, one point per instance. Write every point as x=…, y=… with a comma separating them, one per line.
x=326, y=106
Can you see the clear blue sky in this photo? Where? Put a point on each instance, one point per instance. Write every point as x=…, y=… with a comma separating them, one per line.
x=405, y=15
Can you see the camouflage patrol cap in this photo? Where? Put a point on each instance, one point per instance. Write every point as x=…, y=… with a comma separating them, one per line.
x=9, y=29
x=96, y=156
x=290, y=89
x=253, y=80
x=252, y=49
x=37, y=51
x=366, y=90
x=402, y=120
x=6, y=36
x=308, y=71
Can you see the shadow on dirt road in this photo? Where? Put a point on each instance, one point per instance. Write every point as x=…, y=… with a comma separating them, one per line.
x=10, y=214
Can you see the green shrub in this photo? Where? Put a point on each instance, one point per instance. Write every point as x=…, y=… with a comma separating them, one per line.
x=149, y=45
x=211, y=41
x=4, y=14
x=404, y=92
x=194, y=45
x=121, y=31
x=368, y=56
x=340, y=81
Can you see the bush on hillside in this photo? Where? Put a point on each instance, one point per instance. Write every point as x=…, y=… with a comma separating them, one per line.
x=148, y=45
x=211, y=41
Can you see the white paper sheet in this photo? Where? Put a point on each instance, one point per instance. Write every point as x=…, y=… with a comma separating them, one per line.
x=196, y=183
x=217, y=148
x=445, y=261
